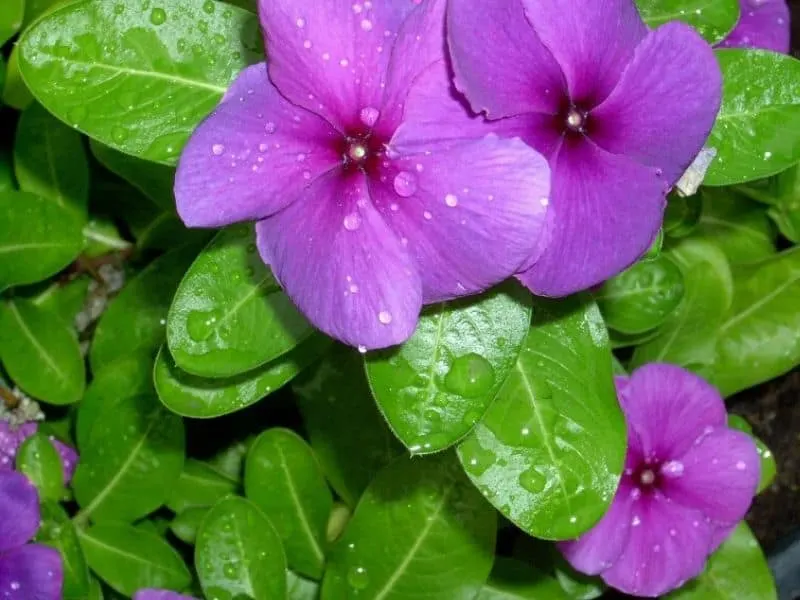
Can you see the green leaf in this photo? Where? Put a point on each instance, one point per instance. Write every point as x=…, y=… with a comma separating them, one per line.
x=7, y=181
x=713, y=19
x=95, y=590
x=129, y=559
x=577, y=586
x=435, y=387
x=768, y=466
x=11, y=15
x=758, y=338
x=49, y=160
x=58, y=532
x=138, y=80
x=239, y=552
x=40, y=462
x=66, y=299
x=102, y=237
x=201, y=398
x=420, y=530
x=133, y=458
x=757, y=132
x=738, y=226
x=346, y=431
x=229, y=315
x=782, y=194
x=198, y=485
x=36, y=8
x=549, y=452
x=682, y=215
x=38, y=238
x=229, y=462
x=41, y=353
x=282, y=477
x=737, y=571
x=187, y=522
x=688, y=336
x=514, y=580
x=299, y=588
x=134, y=321
x=640, y=298
x=15, y=93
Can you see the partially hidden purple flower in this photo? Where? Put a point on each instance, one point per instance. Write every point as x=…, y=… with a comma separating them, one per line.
x=763, y=24
x=27, y=571
x=11, y=439
x=620, y=111
x=366, y=207
x=152, y=594
x=688, y=481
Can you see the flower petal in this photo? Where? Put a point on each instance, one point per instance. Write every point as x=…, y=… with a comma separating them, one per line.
x=252, y=156
x=669, y=408
x=763, y=24
x=69, y=459
x=604, y=213
x=19, y=510
x=510, y=72
x=31, y=572
x=665, y=105
x=720, y=476
x=592, y=41
x=151, y=594
x=10, y=440
x=470, y=214
x=667, y=545
x=342, y=265
x=600, y=547
x=331, y=56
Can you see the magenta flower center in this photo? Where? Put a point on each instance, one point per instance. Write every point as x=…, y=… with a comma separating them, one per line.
x=651, y=474
x=575, y=120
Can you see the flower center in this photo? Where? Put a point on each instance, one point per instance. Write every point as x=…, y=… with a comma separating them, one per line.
x=357, y=151
x=576, y=120
x=647, y=477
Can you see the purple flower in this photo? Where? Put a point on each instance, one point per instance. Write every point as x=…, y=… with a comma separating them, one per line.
x=688, y=481
x=27, y=571
x=367, y=206
x=11, y=439
x=763, y=24
x=151, y=594
x=620, y=111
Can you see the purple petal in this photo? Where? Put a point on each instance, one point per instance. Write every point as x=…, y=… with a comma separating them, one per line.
x=509, y=72
x=605, y=212
x=673, y=84
x=592, y=41
x=720, y=535
x=69, y=459
x=252, y=156
x=469, y=214
x=10, y=440
x=597, y=549
x=331, y=56
x=342, y=265
x=159, y=595
x=719, y=477
x=669, y=408
x=19, y=510
x=31, y=572
x=667, y=545
x=764, y=24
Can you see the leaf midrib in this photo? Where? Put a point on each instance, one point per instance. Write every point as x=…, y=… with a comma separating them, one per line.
x=135, y=557
x=39, y=348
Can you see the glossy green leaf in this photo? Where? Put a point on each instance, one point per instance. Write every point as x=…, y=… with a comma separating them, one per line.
x=11, y=14
x=66, y=299
x=186, y=523
x=346, y=431
x=713, y=19
x=41, y=353
x=737, y=225
x=229, y=315
x=7, y=181
x=198, y=485
x=437, y=385
x=138, y=78
x=640, y=298
x=40, y=462
x=300, y=588
x=578, y=586
x=95, y=590
x=202, y=398
x=229, y=462
x=758, y=338
x=38, y=238
x=134, y=321
x=768, y=466
x=737, y=571
x=36, y=8
x=103, y=237
x=129, y=559
x=59, y=532
x=132, y=460
x=688, y=336
x=549, y=452
x=682, y=215
x=420, y=530
x=15, y=93
x=782, y=194
x=514, y=580
x=282, y=477
x=239, y=552
x=757, y=132
x=49, y=159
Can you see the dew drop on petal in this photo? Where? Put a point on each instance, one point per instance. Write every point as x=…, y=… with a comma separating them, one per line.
x=270, y=127
x=385, y=317
x=428, y=216
x=217, y=149
x=369, y=115
x=362, y=349
x=366, y=25
x=741, y=465
x=451, y=200
x=352, y=222
x=301, y=22
x=405, y=184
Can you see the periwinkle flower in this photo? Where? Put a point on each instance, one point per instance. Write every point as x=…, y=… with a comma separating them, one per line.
x=619, y=110
x=365, y=208
x=11, y=439
x=153, y=594
x=763, y=24
x=27, y=571
x=688, y=481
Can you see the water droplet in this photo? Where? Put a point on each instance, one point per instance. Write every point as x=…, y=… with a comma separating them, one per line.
x=270, y=127
x=533, y=481
x=217, y=149
x=636, y=521
x=369, y=115
x=451, y=200
x=352, y=222
x=741, y=465
x=470, y=376
x=405, y=184
x=209, y=6
x=366, y=25
x=119, y=134
x=301, y=22
x=201, y=324
x=385, y=317
x=673, y=468
x=358, y=578
x=158, y=16
x=362, y=349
